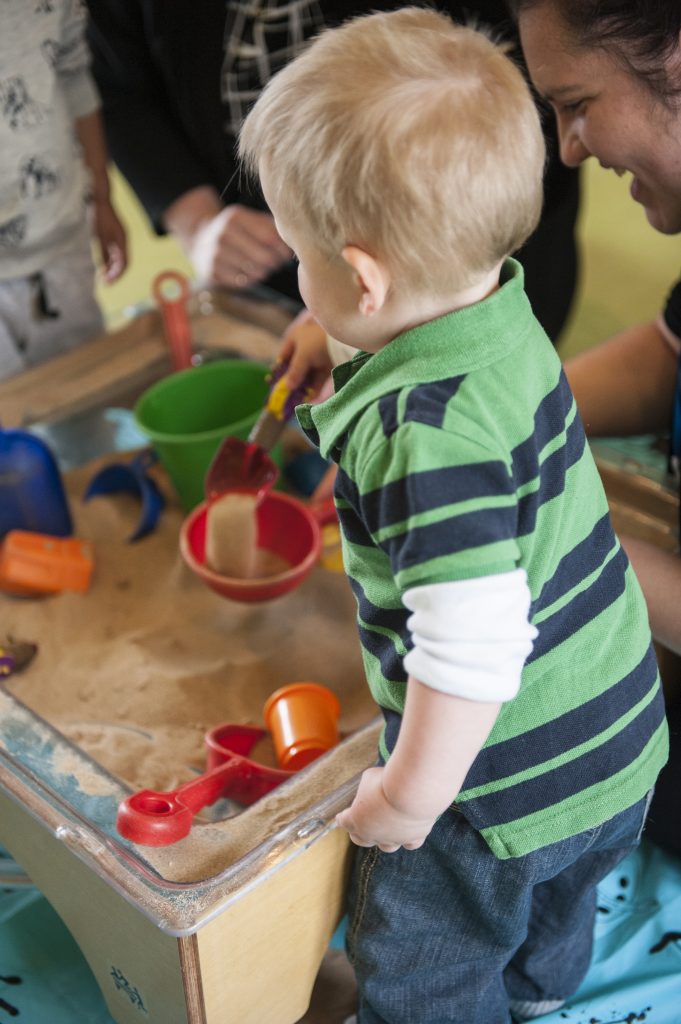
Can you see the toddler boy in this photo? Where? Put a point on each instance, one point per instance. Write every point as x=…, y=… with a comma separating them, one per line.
x=504, y=634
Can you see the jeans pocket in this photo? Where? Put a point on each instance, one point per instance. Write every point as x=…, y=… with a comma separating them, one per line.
x=363, y=870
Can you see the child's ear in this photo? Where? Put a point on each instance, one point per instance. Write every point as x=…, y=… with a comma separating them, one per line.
x=371, y=275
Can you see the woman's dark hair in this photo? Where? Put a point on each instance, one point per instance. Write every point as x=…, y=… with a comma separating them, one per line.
x=642, y=34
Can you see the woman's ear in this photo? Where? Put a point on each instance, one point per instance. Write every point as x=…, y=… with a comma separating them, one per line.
x=372, y=277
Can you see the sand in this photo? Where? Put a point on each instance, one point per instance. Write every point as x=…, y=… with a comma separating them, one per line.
x=135, y=672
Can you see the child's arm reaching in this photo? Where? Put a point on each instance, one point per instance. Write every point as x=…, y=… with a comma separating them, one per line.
x=305, y=345
x=439, y=739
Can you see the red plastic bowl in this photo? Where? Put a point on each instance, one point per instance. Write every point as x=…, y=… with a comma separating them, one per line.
x=286, y=528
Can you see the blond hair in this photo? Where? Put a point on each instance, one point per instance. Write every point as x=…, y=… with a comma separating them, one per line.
x=409, y=136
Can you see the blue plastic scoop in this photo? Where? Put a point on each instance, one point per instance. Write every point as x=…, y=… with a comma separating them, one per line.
x=132, y=478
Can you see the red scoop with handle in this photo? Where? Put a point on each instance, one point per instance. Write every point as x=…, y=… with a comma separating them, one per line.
x=246, y=465
x=153, y=818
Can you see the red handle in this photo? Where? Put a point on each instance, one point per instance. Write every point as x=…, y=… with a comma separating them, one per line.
x=154, y=818
x=171, y=291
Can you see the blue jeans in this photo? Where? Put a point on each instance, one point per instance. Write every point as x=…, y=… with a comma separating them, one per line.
x=450, y=934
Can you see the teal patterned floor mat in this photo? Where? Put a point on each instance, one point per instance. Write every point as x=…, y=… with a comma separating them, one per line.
x=635, y=975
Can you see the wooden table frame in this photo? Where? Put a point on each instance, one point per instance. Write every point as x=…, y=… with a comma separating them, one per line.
x=115, y=368
x=253, y=957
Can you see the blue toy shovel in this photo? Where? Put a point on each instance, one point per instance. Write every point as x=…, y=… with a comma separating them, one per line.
x=132, y=478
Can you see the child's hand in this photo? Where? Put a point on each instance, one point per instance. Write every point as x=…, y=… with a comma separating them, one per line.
x=304, y=345
x=372, y=820
x=113, y=245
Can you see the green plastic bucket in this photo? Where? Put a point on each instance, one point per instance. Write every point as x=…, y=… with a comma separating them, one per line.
x=187, y=414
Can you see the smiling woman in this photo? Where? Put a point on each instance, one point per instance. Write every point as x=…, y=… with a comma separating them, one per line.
x=611, y=71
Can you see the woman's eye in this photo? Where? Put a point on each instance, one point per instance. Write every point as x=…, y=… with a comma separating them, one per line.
x=574, y=107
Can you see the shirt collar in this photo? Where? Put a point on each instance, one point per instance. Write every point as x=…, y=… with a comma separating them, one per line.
x=467, y=339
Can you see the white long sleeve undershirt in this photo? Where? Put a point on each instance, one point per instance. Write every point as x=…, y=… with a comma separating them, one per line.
x=471, y=637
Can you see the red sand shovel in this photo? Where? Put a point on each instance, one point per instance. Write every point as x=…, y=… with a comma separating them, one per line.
x=246, y=465
x=158, y=819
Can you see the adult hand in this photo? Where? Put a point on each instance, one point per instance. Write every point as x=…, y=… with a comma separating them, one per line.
x=237, y=247
x=372, y=820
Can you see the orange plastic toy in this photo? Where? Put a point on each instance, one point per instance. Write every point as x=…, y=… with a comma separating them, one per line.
x=303, y=721
x=37, y=563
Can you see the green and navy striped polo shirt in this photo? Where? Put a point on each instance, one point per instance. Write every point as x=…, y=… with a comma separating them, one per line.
x=460, y=453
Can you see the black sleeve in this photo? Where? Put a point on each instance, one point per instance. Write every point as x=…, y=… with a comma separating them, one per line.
x=672, y=310
x=148, y=92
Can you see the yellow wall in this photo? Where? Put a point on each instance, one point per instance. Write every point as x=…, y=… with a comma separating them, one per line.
x=627, y=268
x=147, y=253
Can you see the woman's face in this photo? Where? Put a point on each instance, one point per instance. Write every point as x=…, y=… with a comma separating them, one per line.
x=604, y=111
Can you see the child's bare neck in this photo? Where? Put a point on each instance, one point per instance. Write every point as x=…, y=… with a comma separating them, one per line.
x=482, y=289
x=416, y=313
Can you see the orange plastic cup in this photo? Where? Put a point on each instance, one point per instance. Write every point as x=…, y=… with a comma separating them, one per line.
x=303, y=721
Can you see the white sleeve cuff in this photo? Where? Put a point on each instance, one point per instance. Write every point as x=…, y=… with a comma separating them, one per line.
x=471, y=637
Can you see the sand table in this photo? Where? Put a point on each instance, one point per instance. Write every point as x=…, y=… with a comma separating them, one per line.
x=135, y=671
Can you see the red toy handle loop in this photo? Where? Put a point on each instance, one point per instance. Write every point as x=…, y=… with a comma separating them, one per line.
x=171, y=291
x=153, y=818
